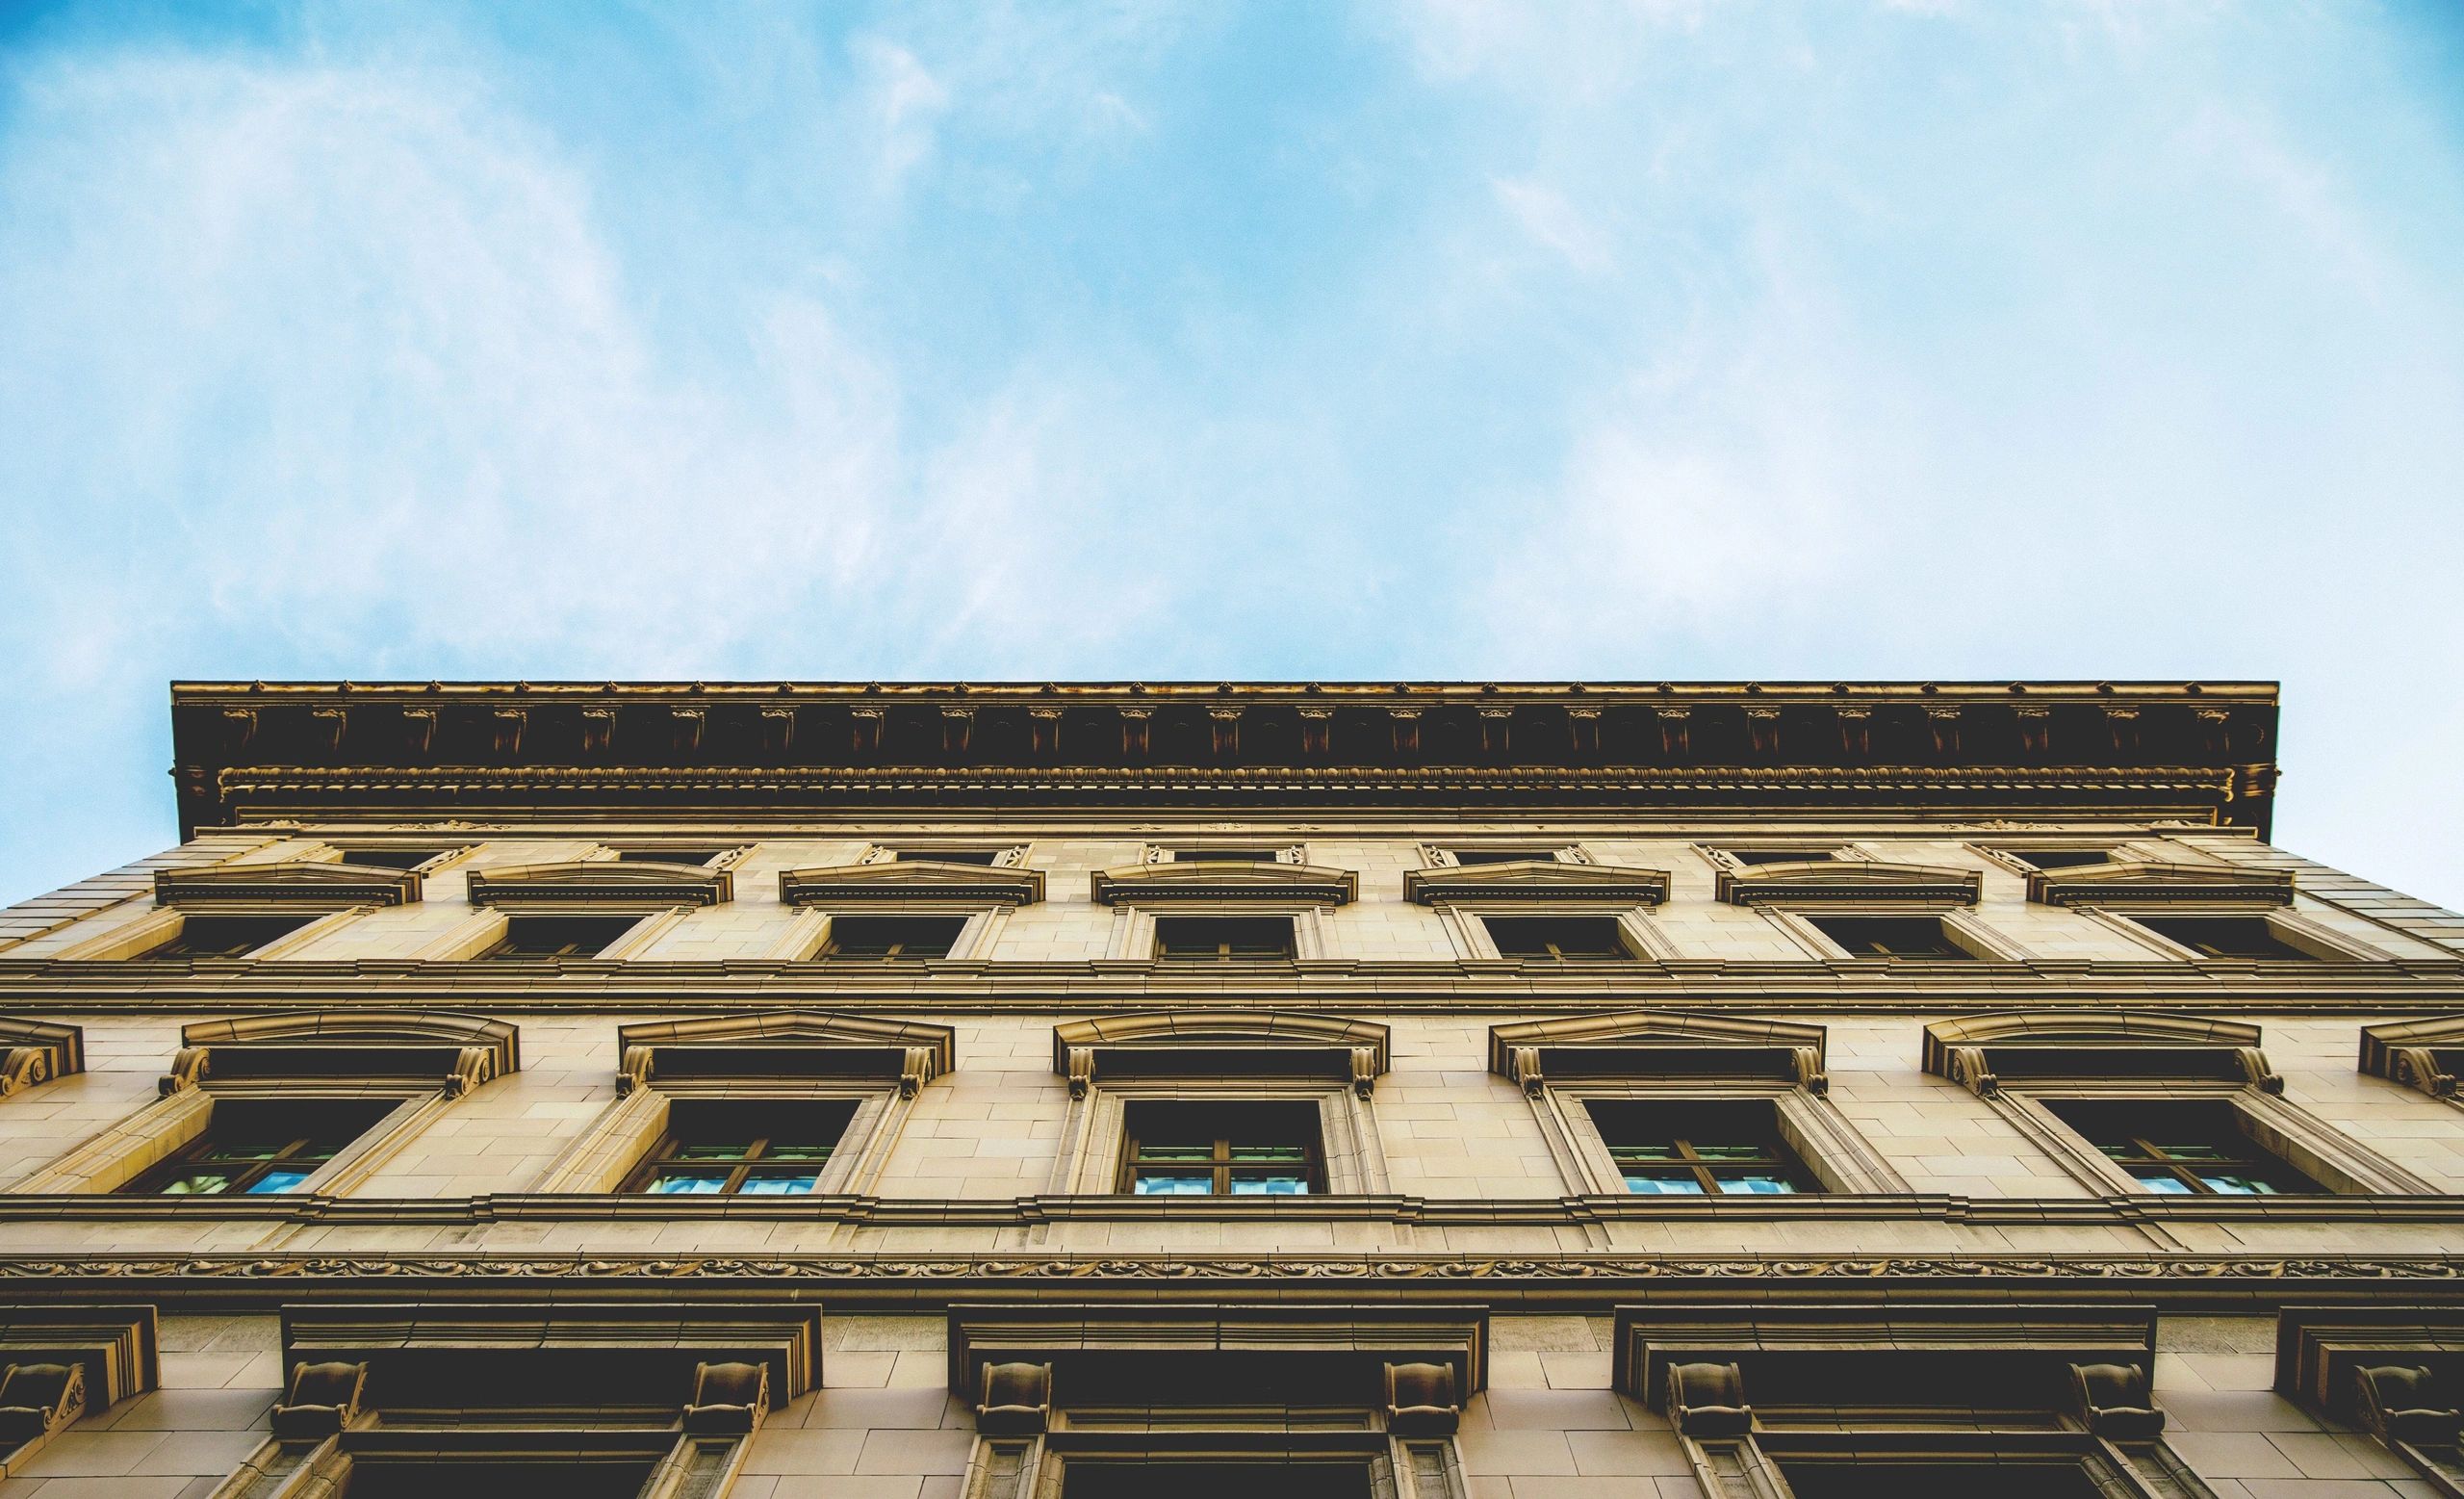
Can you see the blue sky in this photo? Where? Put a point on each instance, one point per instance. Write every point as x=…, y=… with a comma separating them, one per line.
x=1928, y=339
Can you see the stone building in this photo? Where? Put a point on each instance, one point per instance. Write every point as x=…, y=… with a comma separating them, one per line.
x=1427, y=1092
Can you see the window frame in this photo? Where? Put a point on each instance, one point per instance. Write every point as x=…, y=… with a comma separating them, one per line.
x=2287, y=925
x=1981, y=942
x=188, y=1158
x=1223, y=1163
x=659, y=1159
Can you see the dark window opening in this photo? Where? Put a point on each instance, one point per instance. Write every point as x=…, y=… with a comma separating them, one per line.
x=1557, y=938
x=1699, y=1147
x=395, y=858
x=691, y=856
x=1223, y=939
x=1890, y=937
x=1475, y=858
x=2181, y=1147
x=226, y=937
x=985, y=857
x=576, y=1475
x=2051, y=858
x=748, y=1147
x=560, y=937
x=2226, y=937
x=1226, y=855
x=1222, y=1150
x=1130, y=1479
x=1757, y=856
x=1874, y=1476
x=258, y=1146
x=891, y=939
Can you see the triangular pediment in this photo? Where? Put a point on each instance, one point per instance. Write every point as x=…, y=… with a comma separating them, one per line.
x=1224, y=879
x=2115, y=883
x=1537, y=879
x=472, y=1048
x=1656, y=1042
x=294, y=884
x=910, y=879
x=786, y=1043
x=1819, y=880
x=603, y=883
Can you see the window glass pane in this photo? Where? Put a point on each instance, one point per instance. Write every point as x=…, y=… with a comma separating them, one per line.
x=1174, y=1183
x=761, y=1184
x=1754, y=1183
x=1557, y=937
x=2062, y=857
x=1475, y=858
x=715, y=1146
x=560, y=937
x=1664, y=1184
x=2226, y=937
x=1223, y=937
x=226, y=937
x=690, y=1184
x=1245, y=1148
x=1695, y=1146
x=2176, y=1146
x=1890, y=937
x=892, y=939
x=2163, y=1182
x=198, y=1183
x=1256, y=1184
x=282, y=1178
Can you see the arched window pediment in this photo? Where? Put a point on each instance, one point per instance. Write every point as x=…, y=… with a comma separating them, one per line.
x=1981, y=1050
x=464, y=1049
x=1222, y=1043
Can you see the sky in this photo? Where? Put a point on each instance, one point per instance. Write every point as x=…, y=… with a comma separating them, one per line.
x=1656, y=339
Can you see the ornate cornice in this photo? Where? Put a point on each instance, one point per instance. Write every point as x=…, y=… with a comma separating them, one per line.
x=1656, y=1042
x=599, y=884
x=2142, y=882
x=1222, y=879
x=910, y=879
x=446, y=749
x=793, y=1043
x=1537, y=879
x=292, y=886
x=1821, y=881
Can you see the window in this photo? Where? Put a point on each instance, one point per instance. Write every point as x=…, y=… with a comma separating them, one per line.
x=735, y=1148
x=395, y=857
x=2181, y=1147
x=1476, y=858
x=1222, y=1150
x=2050, y=858
x=1557, y=938
x=2011, y=1475
x=1699, y=1148
x=256, y=1146
x=1226, y=855
x=688, y=856
x=891, y=939
x=578, y=1473
x=226, y=937
x=2226, y=937
x=1890, y=937
x=1223, y=939
x=1142, y=1478
x=987, y=857
x=1762, y=856
x=558, y=936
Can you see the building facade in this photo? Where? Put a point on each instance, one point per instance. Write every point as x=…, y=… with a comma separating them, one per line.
x=1079, y=1091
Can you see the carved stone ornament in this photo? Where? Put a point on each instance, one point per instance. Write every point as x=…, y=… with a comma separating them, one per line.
x=729, y=1399
x=616, y=885
x=1537, y=879
x=2427, y=1054
x=1709, y=1400
x=1421, y=1399
x=2113, y=1400
x=452, y=1050
x=2133, y=883
x=1224, y=879
x=303, y=885
x=1822, y=881
x=321, y=1399
x=36, y=1051
x=909, y=880
x=785, y=1044
x=1014, y=1400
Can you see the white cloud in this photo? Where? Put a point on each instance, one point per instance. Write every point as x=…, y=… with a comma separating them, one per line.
x=1544, y=215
